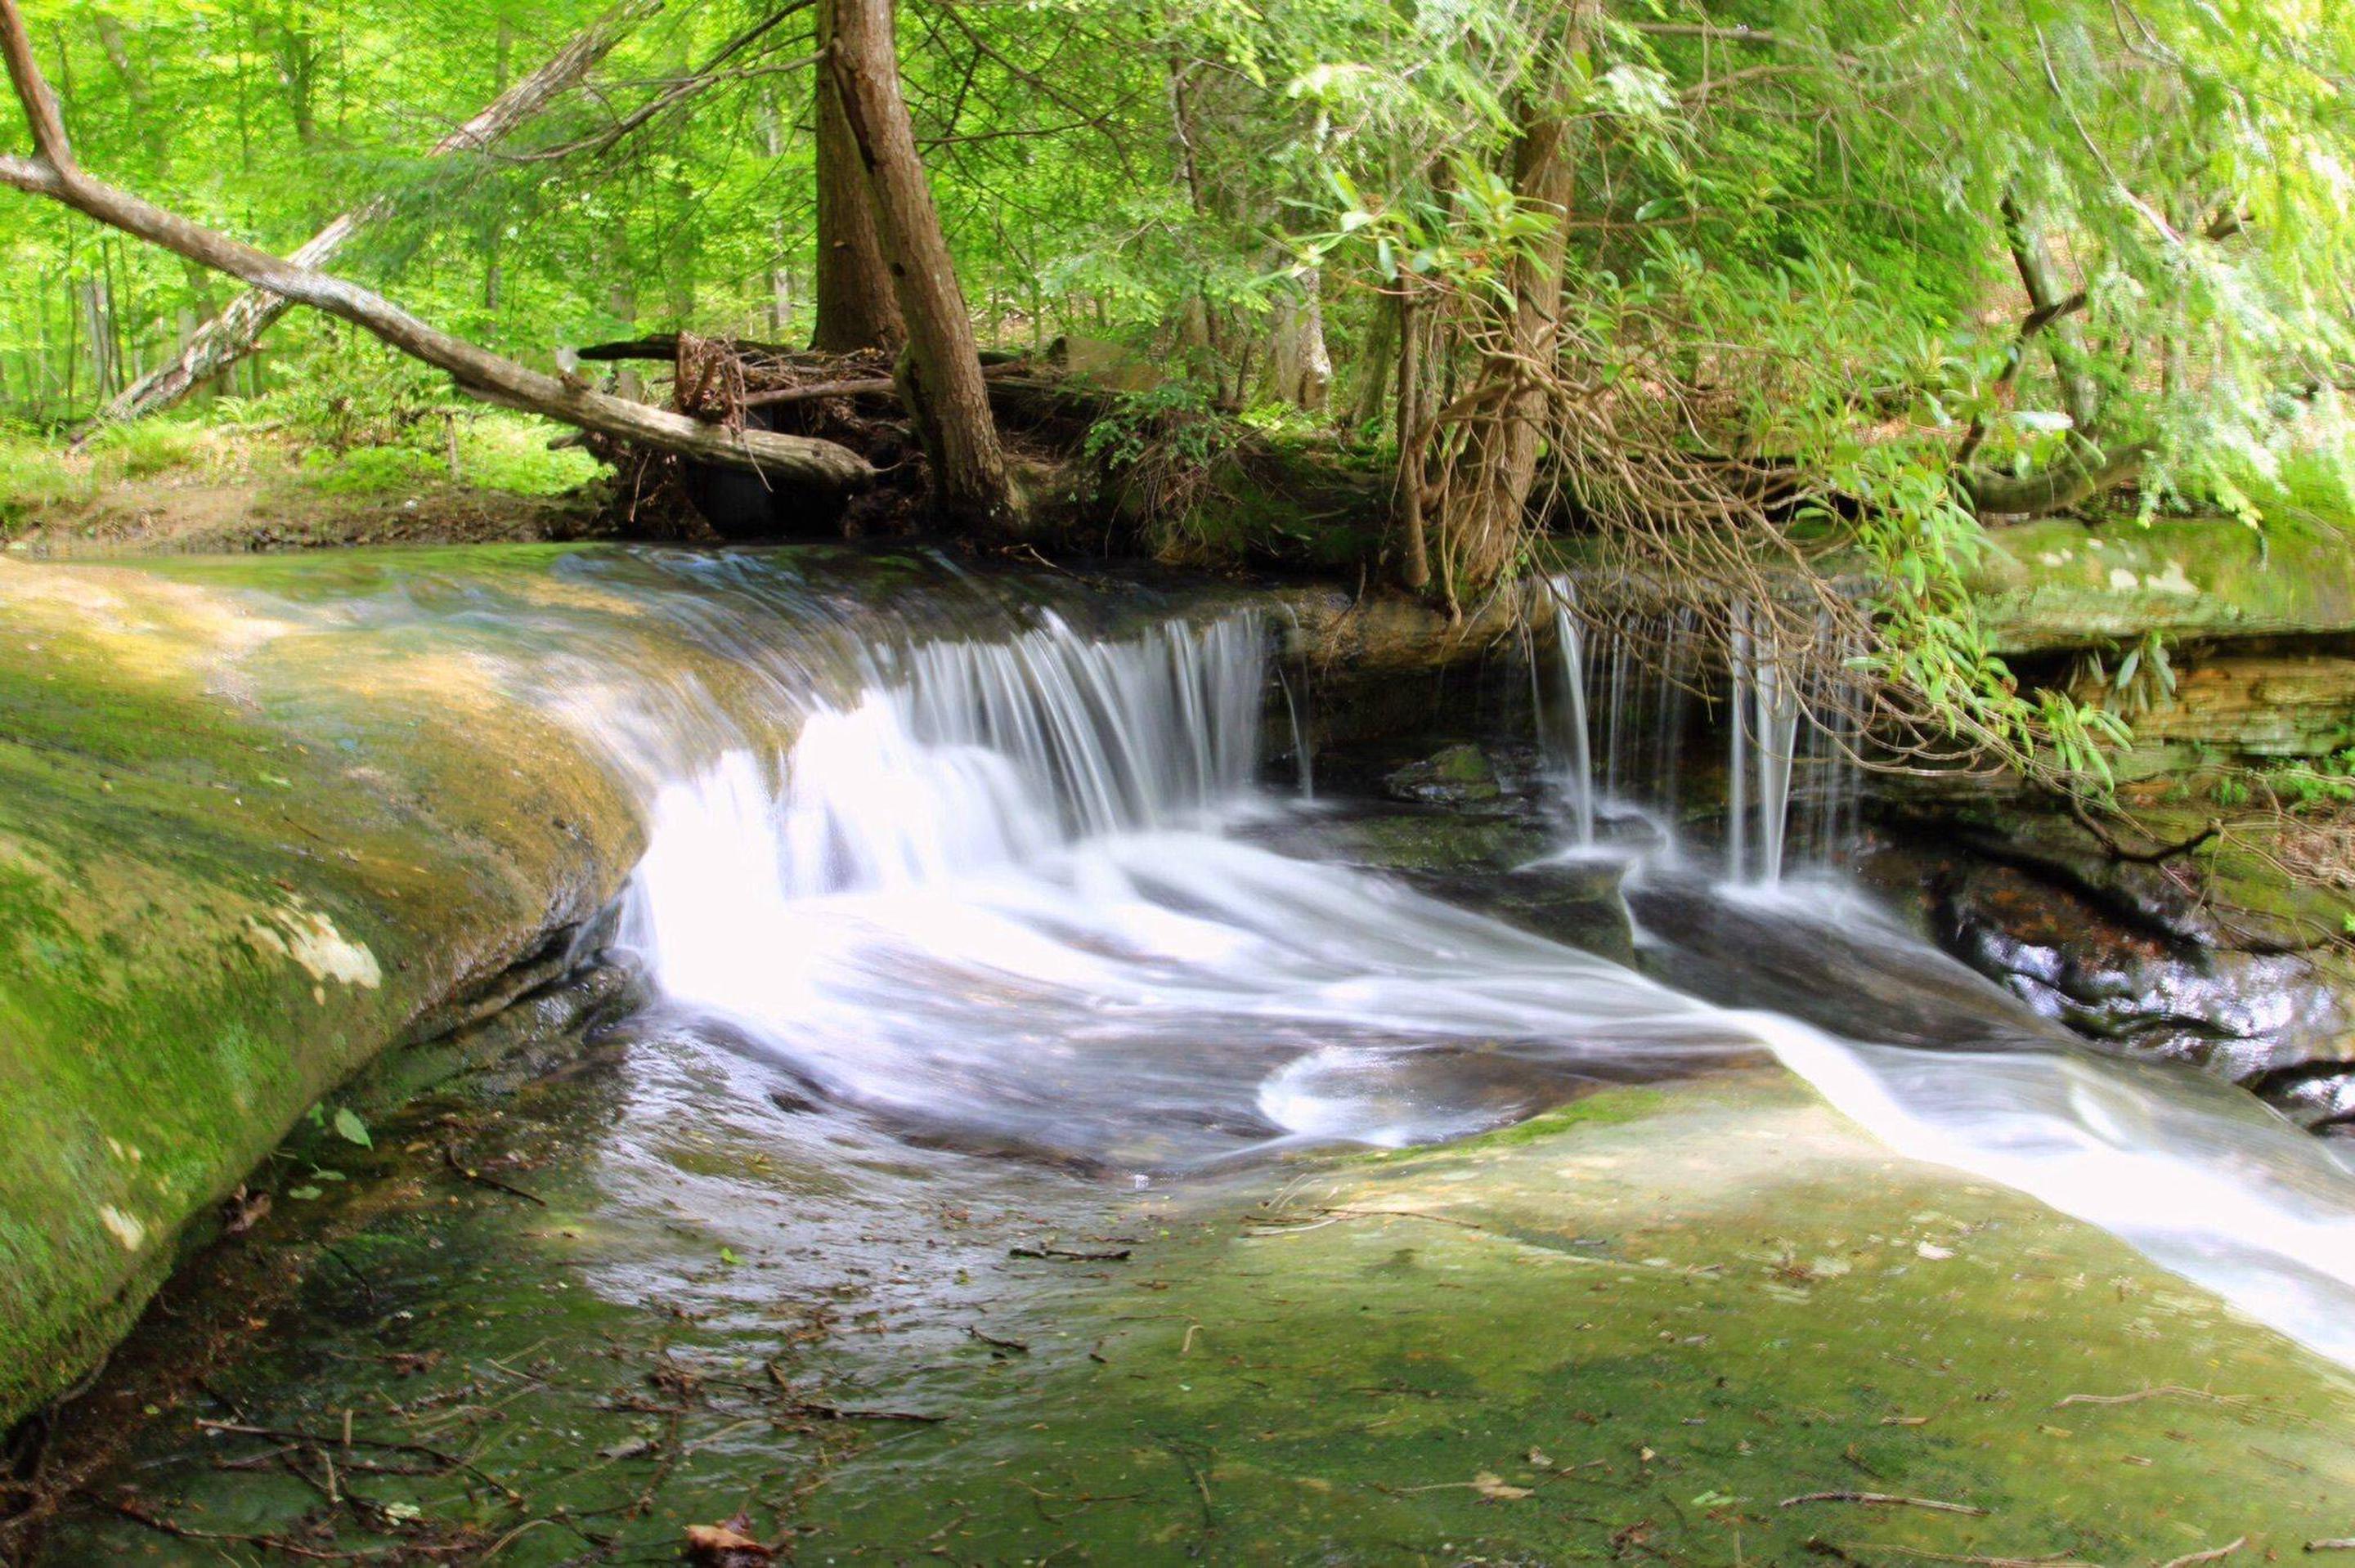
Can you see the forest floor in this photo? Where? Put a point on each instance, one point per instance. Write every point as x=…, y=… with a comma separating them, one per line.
x=154, y=515
x=199, y=488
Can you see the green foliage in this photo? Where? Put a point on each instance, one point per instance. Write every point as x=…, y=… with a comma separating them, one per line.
x=2320, y=785
x=36, y=477
x=370, y=471
x=150, y=446
x=1160, y=451
x=2145, y=677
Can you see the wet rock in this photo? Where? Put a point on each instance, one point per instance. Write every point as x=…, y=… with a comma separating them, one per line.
x=1454, y=776
x=2280, y=1023
x=1440, y=841
x=245, y=851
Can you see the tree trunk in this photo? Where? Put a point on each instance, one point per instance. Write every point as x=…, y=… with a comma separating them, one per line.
x=1375, y=363
x=101, y=339
x=1413, y=418
x=230, y=336
x=2040, y=274
x=1299, y=366
x=53, y=173
x=856, y=308
x=939, y=371
x=1488, y=491
x=781, y=274
x=1314, y=391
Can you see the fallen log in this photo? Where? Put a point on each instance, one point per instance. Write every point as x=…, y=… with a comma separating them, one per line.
x=2079, y=474
x=863, y=387
x=663, y=346
x=53, y=172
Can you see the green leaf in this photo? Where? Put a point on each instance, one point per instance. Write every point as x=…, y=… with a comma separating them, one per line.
x=351, y=1129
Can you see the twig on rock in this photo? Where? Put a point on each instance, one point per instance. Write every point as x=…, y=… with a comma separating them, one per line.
x=1882, y=1499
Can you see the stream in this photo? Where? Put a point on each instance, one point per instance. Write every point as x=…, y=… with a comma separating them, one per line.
x=990, y=930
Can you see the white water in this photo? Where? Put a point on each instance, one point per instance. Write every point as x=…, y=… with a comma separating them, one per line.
x=1007, y=897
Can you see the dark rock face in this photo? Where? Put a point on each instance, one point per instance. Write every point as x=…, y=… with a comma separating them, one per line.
x=2281, y=1023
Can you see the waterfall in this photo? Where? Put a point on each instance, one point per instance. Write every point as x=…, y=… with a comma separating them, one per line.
x=1740, y=742
x=1790, y=778
x=1007, y=897
x=1571, y=643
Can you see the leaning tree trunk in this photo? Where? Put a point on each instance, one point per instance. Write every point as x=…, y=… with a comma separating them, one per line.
x=2083, y=469
x=1486, y=491
x=938, y=372
x=856, y=309
x=52, y=172
x=2048, y=297
x=230, y=336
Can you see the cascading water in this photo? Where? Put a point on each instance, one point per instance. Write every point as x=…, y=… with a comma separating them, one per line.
x=1008, y=898
x=1618, y=735
x=1570, y=642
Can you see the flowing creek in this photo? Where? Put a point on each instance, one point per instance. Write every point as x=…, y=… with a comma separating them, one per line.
x=1024, y=1051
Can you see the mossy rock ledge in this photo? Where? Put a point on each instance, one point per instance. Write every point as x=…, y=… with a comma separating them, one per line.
x=246, y=846
x=2059, y=583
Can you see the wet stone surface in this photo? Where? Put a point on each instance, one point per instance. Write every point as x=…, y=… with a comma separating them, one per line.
x=1634, y=1330
x=1112, y=1290
x=2272, y=1021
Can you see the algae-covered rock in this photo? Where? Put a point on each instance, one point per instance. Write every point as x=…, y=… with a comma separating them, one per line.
x=242, y=850
x=1455, y=775
x=2059, y=583
x=1661, y=1314
x=1680, y=1316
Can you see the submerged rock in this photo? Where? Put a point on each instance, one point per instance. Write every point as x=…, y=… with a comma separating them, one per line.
x=1674, y=1314
x=1670, y=1315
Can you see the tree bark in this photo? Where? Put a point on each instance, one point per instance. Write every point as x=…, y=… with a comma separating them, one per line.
x=1299, y=366
x=2080, y=473
x=856, y=307
x=230, y=336
x=1489, y=489
x=1375, y=362
x=2083, y=469
x=1414, y=436
x=52, y=172
x=2049, y=297
x=939, y=371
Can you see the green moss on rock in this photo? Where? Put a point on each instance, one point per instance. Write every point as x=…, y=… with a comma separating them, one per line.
x=1653, y=1319
x=2059, y=583
x=239, y=855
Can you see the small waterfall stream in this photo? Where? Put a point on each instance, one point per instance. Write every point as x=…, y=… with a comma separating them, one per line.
x=1007, y=896
x=1619, y=729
